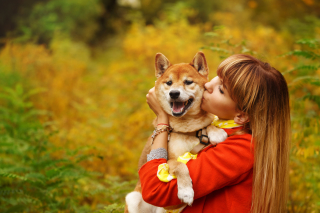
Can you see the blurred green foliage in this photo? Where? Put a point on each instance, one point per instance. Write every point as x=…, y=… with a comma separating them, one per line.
x=73, y=79
x=94, y=20
x=32, y=180
x=304, y=89
x=72, y=17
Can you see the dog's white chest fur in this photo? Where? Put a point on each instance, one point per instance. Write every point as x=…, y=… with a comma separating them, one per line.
x=179, y=143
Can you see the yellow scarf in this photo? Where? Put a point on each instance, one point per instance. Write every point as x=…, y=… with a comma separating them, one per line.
x=224, y=124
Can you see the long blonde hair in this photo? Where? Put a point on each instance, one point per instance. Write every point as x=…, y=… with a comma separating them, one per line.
x=261, y=92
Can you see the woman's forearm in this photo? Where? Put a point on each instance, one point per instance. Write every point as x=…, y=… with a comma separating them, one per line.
x=161, y=140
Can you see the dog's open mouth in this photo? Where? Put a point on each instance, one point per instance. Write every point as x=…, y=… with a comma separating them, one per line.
x=179, y=108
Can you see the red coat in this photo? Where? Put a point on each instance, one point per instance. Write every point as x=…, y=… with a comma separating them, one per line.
x=221, y=177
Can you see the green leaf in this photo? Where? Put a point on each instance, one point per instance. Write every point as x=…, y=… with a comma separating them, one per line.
x=11, y=175
x=217, y=49
x=316, y=83
x=36, y=177
x=308, y=79
x=53, y=173
x=303, y=67
x=303, y=53
x=211, y=34
x=313, y=43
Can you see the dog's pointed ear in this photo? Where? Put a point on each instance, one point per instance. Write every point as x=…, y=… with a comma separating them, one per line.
x=199, y=62
x=161, y=64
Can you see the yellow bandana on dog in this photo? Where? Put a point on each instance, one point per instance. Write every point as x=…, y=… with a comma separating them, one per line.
x=176, y=210
x=163, y=169
x=224, y=124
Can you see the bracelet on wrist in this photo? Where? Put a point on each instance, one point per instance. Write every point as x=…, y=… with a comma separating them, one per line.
x=163, y=124
x=157, y=131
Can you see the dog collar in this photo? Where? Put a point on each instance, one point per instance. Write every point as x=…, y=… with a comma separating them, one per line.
x=223, y=124
x=202, y=133
x=204, y=140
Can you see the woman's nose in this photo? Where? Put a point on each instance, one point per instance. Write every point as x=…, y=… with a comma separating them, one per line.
x=208, y=86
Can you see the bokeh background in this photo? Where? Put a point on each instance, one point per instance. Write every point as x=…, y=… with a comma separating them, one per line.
x=73, y=80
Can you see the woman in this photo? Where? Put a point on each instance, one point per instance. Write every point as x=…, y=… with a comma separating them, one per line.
x=248, y=172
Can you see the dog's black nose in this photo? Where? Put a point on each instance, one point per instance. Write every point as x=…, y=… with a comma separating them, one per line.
x=174, y=94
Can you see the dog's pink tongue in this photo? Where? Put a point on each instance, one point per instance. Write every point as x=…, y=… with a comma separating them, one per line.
x=177, y=106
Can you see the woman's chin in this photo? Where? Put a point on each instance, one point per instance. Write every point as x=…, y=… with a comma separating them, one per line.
x=202, y=106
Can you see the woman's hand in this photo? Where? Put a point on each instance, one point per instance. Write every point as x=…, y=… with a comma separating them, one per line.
x=156, y=108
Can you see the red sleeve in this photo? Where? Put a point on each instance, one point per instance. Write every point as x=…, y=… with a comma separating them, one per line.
x=215, y=167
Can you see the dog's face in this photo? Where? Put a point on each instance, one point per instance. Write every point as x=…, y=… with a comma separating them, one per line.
x=179, y=87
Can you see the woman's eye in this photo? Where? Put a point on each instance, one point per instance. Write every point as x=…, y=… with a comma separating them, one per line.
x=188, y=82
x=169, y=83
x=221, y=91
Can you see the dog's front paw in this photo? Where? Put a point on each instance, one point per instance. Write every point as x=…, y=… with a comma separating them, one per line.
x=186, y=194
x=216, y=135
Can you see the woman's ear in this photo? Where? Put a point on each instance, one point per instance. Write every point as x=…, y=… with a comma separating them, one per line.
x=241, y=118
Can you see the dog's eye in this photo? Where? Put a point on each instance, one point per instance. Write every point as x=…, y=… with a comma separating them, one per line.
x=169, y=83
x=188, y=82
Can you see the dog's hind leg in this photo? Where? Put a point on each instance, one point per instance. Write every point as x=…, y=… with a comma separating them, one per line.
x=185, y=190
x=135, y=204
x=133, y=200
x=126, y=208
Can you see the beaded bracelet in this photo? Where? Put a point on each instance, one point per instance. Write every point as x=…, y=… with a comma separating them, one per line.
x=162, y=124
x=160, y=130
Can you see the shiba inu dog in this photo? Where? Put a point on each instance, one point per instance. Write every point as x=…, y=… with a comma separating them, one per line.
x=179, y=89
